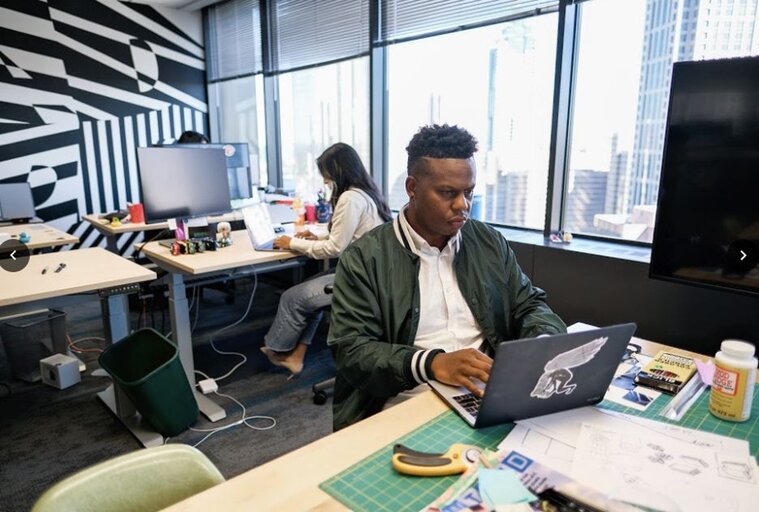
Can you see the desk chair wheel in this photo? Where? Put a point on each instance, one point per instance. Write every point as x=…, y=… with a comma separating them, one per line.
x=320, y=397
x=320, y=390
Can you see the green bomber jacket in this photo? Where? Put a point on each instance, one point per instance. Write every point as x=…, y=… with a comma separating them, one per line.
x=375, y=311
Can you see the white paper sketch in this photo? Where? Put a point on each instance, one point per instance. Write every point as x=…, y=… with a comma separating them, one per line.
x=656, y=471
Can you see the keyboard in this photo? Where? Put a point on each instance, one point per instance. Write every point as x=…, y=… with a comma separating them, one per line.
x=470, y=402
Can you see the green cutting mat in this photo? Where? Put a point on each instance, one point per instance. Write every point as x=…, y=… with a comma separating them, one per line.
x=372, y=484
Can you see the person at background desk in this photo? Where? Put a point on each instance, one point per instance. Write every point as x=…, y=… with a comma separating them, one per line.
x=431, y=294
x=191, y=137
x=358, y=207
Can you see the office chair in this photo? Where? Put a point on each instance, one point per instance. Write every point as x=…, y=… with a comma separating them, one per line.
x=147, y=480
x=320, y=388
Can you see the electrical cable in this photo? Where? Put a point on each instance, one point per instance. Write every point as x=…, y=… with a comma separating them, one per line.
x=243, y=421
x=72, y=345
x=222, y=352
x=197, y=310
x=140, y=248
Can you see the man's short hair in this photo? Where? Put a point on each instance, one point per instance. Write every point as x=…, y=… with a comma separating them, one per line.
x=439, y=141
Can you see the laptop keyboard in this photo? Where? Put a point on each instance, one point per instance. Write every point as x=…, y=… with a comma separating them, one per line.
x=470, y=402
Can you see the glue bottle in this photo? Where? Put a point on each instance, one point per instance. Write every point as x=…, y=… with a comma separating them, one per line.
x=733, y=383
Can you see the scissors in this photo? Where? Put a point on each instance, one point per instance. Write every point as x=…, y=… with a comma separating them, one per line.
x=454, y=461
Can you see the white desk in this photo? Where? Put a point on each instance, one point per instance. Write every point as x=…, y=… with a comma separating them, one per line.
x=90, y=274
x=41, y=236
x=237, y=260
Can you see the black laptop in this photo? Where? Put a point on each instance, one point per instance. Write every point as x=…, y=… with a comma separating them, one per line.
x=536, y=376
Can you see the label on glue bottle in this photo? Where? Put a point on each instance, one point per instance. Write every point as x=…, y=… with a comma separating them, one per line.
x=732, y=390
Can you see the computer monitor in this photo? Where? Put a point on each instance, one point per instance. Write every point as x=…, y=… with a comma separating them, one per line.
x=707, y=225
x=182, y=183
x=16, y=202
x=238, y=165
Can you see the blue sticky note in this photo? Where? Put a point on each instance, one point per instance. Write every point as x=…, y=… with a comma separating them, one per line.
x=502, y=487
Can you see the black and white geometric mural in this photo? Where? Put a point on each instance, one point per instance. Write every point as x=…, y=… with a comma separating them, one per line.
x=82, y=84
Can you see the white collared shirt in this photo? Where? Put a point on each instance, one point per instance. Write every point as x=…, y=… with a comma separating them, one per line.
x=355, y=214
x=445, y=320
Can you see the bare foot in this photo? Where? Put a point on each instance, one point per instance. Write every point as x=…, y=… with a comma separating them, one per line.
x=283, y=360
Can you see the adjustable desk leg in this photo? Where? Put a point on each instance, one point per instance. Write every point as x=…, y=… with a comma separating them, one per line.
x=180, y=325
x=116, y=319
x=110, y=243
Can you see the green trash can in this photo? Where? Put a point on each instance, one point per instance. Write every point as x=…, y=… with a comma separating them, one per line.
x=147, y=367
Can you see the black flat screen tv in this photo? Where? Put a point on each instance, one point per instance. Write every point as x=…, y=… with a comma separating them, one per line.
x=182, y=183
x=707, y=217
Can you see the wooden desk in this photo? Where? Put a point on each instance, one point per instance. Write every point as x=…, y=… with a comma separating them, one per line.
x=112, y=233
x=291, y=481
x=89, y=274
x=237, y=260
x=42, y=236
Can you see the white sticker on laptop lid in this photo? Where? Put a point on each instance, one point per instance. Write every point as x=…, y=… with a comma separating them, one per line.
x=557, y=375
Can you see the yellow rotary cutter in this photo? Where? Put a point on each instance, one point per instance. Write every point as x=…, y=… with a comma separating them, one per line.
x=454, y=461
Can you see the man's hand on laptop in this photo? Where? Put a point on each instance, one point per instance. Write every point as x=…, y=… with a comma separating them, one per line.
x=460, y=367
x=282, y=242
x=306, y=235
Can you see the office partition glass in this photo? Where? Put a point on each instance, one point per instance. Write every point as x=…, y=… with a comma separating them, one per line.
x=318, y=107
x=497, y=82
x=236, y=114
x=624, y=68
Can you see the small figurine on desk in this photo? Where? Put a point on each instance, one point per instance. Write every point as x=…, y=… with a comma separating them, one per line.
x=561, y=237
x=24, y=237
x=224, y=234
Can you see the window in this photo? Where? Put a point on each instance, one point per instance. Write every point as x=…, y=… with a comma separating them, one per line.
x=486, y=65
x=319, y=58
x=235, y=91
x=237, y=116
x=497, y=82
x=619, y=113
x=319, y=107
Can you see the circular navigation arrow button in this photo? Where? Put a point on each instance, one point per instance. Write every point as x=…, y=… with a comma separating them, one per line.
x=14, y=256
x=742, y=255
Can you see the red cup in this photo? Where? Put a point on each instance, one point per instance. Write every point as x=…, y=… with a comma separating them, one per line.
x=311, y=213
x=136, y=213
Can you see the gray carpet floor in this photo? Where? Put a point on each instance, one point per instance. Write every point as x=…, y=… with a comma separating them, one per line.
x=47, y=434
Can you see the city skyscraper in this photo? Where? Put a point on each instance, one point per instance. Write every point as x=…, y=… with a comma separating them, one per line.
x=586, y=198
x=679, y=30
x=615, y=185
x=518, y=129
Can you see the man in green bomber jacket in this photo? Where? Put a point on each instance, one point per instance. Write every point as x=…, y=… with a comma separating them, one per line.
x=430, y=294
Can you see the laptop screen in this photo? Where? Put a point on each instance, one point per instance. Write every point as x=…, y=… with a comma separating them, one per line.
x=16, y=201
x=258, y=224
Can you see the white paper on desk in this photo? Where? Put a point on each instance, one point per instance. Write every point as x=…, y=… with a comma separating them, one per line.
x=653, y=470
x=544, y=448
x=197, y=222
x=552, y=438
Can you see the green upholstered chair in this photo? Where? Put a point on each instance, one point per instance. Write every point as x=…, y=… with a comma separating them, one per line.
x=145, y=480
